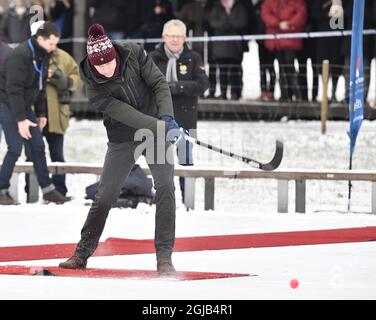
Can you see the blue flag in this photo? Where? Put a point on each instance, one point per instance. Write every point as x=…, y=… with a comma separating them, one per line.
x=356, y=107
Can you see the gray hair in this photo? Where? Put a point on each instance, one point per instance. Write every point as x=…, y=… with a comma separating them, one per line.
x=174, y=23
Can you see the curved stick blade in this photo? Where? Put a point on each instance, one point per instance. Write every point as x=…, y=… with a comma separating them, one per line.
x=277, y=158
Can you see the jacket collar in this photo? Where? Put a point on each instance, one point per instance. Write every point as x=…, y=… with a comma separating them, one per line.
x=39, y=51
x=161, y=53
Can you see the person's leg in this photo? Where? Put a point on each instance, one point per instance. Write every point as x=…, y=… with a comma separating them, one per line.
x=118, y=164
x=302, y=77
x=236, y=79
x=223, y=77
x=312, y=54
x=263, y=68
x=212, y=79
x=335, y=70
x=367, y=76
x=35, y=152
x=56, y=147
x=283, y=69
x=269, y=63
x=182, y=188
x=292, y=75
x=315, y=79
x=14, y=143
x=163, y=175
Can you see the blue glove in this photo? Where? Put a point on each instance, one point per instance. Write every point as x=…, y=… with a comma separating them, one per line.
x=174, y=132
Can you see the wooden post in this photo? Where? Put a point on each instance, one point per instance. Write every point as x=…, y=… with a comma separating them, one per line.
x=189, y=189
x=209, y=193
x=324, y=102
x=300, y=196
x=283, y=196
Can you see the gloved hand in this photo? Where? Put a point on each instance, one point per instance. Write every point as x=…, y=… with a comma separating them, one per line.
x=174, y=132
x=59, y=80
x=174, y=88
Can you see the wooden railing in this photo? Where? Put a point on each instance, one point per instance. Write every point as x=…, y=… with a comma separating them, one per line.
x=283, y=176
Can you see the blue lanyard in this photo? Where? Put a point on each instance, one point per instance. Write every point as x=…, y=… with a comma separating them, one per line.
x=39, y=70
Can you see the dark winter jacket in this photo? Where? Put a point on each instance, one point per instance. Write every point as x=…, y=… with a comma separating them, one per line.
x=192, y=82
x=133, y=101
x=153, y=28
x=369, y=23
x=15, y=29
x=194, y=14
x=328, y=48
x=19, y=81
x=275, y=11
x=222, y=24
x=118, y=15
x=5, y=51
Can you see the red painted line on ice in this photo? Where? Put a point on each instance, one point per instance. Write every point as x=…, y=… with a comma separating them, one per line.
x=119, y=246
x=113, y=273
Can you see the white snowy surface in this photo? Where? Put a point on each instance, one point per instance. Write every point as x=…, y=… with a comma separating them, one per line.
x=335, y=271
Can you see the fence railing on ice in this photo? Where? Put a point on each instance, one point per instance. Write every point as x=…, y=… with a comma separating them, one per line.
x=209, y=174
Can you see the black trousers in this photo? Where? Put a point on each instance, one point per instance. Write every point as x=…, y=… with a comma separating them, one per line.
x=289, y=81
x=266, y=59
x=230, y=74
x=119, y=160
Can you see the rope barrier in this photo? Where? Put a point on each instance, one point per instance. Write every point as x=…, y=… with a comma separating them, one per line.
x=250, y=37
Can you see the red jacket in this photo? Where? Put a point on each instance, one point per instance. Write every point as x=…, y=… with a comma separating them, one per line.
x=275, y=11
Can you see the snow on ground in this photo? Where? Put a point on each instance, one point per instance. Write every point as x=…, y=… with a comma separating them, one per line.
x=335, y=271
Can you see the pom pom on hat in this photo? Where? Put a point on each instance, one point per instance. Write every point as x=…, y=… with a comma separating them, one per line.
x=96, y=30
x=100, y=49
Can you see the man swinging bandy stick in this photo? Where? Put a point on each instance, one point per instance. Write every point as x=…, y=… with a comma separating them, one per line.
x=123, y=82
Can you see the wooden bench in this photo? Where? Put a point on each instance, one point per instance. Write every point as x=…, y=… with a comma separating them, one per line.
x=283, y=176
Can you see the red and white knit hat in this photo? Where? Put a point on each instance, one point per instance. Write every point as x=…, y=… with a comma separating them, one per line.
x=100, y=49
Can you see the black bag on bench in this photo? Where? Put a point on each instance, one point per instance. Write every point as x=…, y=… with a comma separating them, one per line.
x=136, y=188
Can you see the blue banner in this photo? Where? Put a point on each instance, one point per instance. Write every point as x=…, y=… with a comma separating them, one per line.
x=356, y=91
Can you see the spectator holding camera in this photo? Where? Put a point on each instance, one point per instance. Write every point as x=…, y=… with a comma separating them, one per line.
x=23, y=110
x=63, y=80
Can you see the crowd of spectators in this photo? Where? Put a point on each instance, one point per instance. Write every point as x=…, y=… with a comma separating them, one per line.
x=135, y=19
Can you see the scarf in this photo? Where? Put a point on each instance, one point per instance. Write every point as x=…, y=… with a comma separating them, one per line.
x=171, y=74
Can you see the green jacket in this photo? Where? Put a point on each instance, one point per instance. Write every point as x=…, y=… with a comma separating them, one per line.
x=133, y=101
x=58, y=114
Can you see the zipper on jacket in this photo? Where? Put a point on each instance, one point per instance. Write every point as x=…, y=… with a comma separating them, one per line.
x=125, y=92
x=134, y=92
x=127, y=96
x=132, y=95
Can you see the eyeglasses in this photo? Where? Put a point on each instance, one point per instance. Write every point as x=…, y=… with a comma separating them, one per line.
x=174, y=36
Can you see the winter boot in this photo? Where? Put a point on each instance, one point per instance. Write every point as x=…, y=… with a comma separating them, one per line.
x=56, y=197
x=74, y=263
x=165, y=267
x=6, y=199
